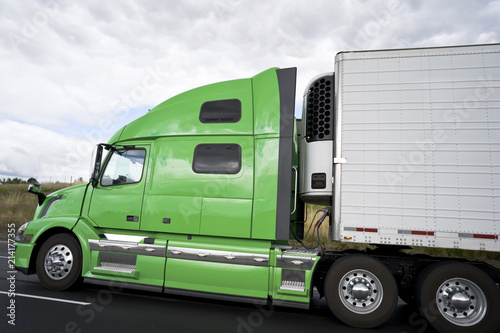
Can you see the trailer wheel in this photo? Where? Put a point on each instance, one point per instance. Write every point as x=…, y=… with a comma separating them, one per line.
x=458, y=297
x=59, y=262
x=361, y=291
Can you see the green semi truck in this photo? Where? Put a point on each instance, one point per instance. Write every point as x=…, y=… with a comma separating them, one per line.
x=201, y=195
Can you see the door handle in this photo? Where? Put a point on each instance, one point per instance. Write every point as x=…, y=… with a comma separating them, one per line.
x=132, y=218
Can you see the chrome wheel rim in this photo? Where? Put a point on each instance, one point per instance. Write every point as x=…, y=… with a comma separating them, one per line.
x=58, y=262
x=360, y=291
x=461, y=302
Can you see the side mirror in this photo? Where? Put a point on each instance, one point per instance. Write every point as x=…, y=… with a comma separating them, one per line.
x=37, y=190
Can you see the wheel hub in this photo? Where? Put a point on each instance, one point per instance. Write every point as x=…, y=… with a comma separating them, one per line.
x=360, y=291
x=461, y=301
x=58, y=262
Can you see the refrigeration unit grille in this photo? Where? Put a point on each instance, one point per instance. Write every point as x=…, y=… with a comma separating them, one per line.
x=319, y=109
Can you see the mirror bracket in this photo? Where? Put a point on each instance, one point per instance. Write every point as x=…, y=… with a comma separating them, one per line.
x=36, y=189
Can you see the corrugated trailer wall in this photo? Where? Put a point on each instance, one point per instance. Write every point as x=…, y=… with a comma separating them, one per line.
x=420, y=132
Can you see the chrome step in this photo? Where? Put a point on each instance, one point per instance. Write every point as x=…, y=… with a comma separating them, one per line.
x=293, y=286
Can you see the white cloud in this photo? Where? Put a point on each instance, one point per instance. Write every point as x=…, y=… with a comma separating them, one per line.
x=69, y=66
x=32, y=151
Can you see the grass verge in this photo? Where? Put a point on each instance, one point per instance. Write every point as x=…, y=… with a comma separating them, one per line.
x=17, y=205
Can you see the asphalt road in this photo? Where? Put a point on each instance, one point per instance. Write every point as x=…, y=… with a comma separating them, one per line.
x=105, y=309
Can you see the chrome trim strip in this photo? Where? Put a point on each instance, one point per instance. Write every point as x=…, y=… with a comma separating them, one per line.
x=299, y=250
x=127, y=248
x=241, y=258
x=124, y=238
x=297, y=262
x=296, y=190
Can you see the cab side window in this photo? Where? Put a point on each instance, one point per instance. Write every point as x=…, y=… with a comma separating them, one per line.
x=125, y=166
x=217, y=158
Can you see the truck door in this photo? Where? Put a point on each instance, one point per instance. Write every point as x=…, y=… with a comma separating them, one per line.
x=117, y=199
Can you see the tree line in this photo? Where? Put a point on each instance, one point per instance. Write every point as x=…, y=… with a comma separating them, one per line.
x=18, y=181
x=31, y=180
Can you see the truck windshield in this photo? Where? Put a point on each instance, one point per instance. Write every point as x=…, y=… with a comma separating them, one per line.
x=124, y=167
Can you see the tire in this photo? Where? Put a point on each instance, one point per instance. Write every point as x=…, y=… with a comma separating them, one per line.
x=59, y=262
x=361, y=291
x=458, y=297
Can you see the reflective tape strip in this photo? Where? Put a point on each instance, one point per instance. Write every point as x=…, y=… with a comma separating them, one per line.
x=479, y=236
x=422, y=233
x=360, y=229
x=427, y=233
x=367, y=229
x=485, y=236
x=416, y=232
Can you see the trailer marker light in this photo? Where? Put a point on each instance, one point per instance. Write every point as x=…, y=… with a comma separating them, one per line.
x=348, y=237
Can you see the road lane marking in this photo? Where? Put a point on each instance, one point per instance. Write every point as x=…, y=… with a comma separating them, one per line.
x=48, y=298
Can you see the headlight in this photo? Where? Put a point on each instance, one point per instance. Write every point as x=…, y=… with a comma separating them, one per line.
x=21, y=237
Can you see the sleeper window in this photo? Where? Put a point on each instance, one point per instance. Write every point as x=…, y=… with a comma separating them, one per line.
x=217, y=158
x=223, y=111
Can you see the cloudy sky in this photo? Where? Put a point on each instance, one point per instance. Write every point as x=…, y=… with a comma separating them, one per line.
x=73, y=72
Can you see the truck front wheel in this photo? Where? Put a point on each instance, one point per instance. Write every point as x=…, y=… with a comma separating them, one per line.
x=361, y=291
x=458, y=297
x=59, y=262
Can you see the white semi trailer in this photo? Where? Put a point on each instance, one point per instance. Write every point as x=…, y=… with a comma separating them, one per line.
x=414, y=143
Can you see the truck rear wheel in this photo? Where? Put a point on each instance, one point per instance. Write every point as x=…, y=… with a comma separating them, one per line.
x=59, y=262
x=361, y=291
x=458, y=297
